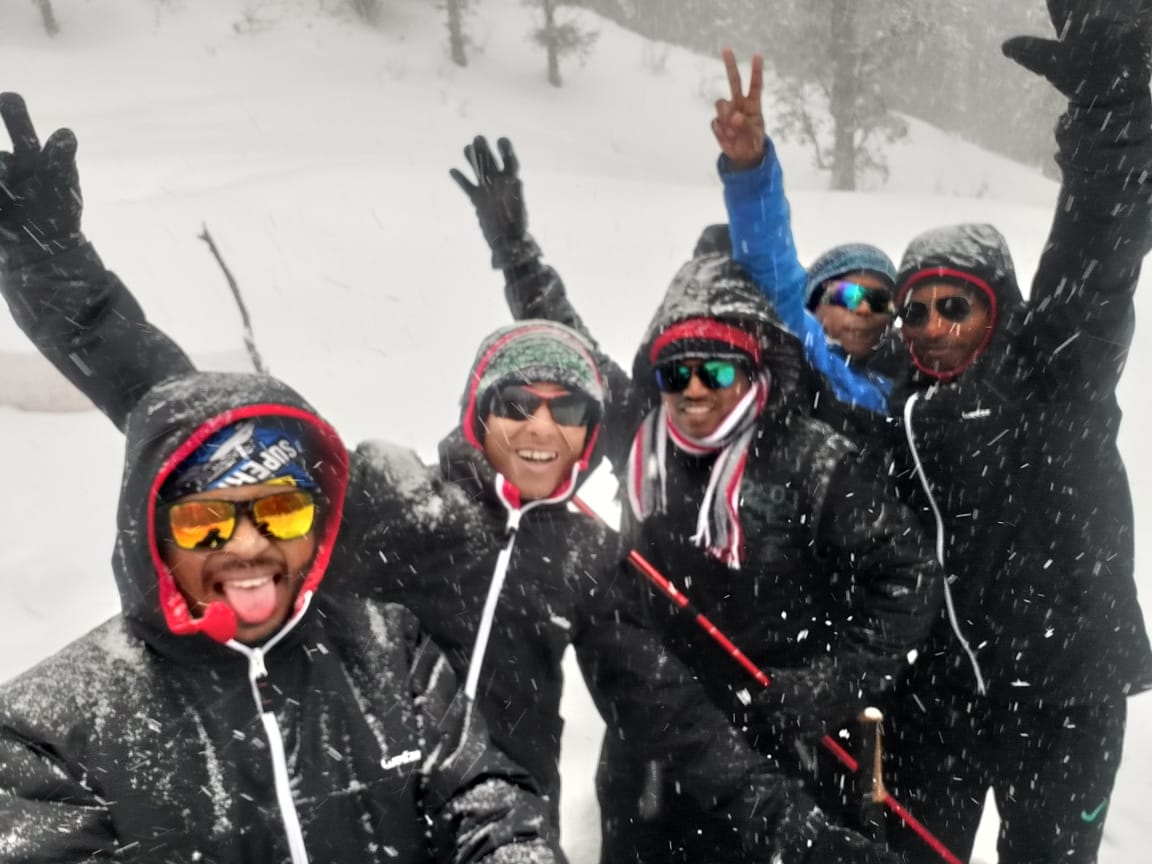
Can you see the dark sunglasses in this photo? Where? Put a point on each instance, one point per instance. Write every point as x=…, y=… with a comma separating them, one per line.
x=955, y=309
x=850, y=295
x=519, y=402
x=209, y=524
x=675, y=376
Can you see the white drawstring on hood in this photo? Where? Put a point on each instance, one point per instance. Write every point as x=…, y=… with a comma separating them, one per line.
x=908, y=406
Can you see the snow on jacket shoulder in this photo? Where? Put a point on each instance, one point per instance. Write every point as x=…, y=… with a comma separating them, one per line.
x=339, y=738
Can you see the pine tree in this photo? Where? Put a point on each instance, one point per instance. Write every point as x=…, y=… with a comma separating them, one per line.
x=835, y=53
x=48, y=16
x=367, y=11
x=560, y=38
x=457, y=40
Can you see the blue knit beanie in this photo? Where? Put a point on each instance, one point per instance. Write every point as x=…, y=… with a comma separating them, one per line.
x=849, y=258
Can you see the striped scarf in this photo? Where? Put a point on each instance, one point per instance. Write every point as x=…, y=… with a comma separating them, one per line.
x=718, y=523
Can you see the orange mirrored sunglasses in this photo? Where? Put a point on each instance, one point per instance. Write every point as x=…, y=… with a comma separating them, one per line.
x=208, y=524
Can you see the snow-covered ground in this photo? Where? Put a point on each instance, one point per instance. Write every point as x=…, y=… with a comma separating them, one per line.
x=316, y=151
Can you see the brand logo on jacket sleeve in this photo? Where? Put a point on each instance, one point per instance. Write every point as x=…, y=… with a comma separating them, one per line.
x=400, y=759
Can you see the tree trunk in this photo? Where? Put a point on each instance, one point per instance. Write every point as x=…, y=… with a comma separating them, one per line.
x=456, y=33
x=48, y=17
x=551, y=41
x=845, y=93
x=368, y=10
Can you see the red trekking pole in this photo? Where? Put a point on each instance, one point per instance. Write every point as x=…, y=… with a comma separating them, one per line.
x=680, y=599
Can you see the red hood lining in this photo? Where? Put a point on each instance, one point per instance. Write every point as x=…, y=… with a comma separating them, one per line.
x=219, y=621
x=947, y=273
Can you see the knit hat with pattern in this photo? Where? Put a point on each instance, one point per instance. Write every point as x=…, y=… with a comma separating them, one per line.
x=525, y=352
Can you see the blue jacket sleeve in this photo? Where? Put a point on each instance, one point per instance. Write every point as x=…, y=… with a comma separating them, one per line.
x=760, y=225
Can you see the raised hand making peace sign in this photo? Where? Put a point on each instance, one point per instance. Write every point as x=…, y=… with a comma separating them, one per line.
x=739, y=122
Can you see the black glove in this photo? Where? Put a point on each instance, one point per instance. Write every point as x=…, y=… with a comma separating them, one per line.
x=847, y=847
x=40, y=201
x=1101, y=55
x=811, y=701
x=498, y=197
x=776, y=820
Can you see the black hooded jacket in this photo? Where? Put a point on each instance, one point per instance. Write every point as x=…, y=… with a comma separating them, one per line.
x=564, y=587
x=833, y=564
x=1014, y=462
x=1019, y=473
x=339, y=738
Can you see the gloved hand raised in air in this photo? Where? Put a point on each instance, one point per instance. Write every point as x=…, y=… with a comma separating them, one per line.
x=498, y=196
x=1101, y=56
x=40, y=201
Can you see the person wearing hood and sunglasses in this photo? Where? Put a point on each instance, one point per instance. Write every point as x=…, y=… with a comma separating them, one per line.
x=242, y=707
x=1008, y=448
x=1010, y=423
x=763, y=516
x=481, y=547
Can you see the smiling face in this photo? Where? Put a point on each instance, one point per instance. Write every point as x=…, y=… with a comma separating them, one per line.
x=950, y=325
x=858, y=331
x=534, y=452
x=698, y=410
x=253, y=573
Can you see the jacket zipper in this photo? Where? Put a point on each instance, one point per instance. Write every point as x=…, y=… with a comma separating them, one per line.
x=981, y=687
x=257, y=676
x=496, y=583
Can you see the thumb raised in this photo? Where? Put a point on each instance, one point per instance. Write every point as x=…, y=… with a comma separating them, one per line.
x=1038, y=56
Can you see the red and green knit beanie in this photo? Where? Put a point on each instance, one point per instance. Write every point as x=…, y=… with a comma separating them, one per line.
x=531, y=351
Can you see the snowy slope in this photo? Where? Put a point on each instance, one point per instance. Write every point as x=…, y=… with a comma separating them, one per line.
x=316, y=151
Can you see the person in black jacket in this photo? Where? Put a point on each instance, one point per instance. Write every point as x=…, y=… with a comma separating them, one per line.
x=1010, y=425
x=481, y=547
x=762, y=515
x=241, y=708
x=520, y=576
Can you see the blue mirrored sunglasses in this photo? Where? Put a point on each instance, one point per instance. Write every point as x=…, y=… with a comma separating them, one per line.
x=851, y=294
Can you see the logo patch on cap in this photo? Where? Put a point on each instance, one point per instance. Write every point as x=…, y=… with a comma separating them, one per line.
x=244, y=454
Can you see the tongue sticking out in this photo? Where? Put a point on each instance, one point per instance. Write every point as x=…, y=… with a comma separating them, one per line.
x=253, y=605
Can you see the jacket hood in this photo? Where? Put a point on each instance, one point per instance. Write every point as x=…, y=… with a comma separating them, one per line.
x=527, y=351
x=714, y=287
x=166, y=426
x=975, y=254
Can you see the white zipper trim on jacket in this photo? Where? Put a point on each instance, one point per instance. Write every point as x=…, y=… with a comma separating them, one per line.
x=484, y=631
x=908, y=406
x=257, y=670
